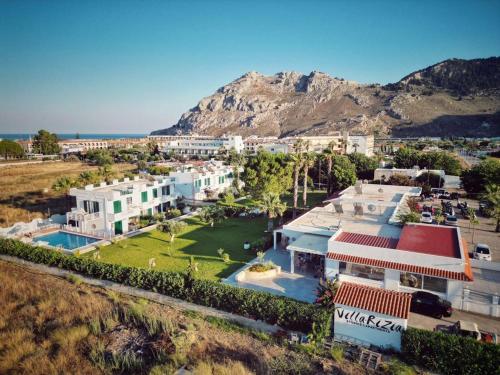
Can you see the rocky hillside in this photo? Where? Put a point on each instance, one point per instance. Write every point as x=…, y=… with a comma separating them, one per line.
x=454, y=97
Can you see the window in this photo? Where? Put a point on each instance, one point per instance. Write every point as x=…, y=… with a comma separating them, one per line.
x=155, y=193
x=90, y=207
x=417, y=281
x=117, y=207
x=358, y=270
x=129, y=201
x=207, y=181
x=165, y=190
x=144, y=196
x=221, y=179
x=197, y=183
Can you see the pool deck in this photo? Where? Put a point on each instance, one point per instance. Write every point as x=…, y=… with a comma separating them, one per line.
x=292, y=285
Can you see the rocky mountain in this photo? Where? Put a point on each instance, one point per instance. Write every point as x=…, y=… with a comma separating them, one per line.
x=454, y=97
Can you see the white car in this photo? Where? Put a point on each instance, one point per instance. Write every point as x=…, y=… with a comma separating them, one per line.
x=451, y=220
x=482, y=252
x=426, y=218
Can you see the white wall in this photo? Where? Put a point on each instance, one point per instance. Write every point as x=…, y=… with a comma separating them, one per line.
x=367, y=327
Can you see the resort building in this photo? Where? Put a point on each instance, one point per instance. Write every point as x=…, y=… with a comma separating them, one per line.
x=191, y=145
x=203, y=180
x=383, y=174
x=357, y=238
x=111, y=209
x=74, y=146
x=363, y=144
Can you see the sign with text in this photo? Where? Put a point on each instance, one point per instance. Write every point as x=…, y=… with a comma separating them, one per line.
x=368, y=327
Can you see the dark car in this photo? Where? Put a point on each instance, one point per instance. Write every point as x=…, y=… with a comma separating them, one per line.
x=426, y=303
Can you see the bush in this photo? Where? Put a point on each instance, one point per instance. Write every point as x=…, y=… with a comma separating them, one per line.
x=449, y=354
x=286, y=312
x=261, y=267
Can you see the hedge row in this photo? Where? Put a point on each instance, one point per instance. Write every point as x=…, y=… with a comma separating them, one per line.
x=285, y=312
x=450, y=354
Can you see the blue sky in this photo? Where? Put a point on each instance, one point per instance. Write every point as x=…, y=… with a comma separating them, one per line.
x=135, y=66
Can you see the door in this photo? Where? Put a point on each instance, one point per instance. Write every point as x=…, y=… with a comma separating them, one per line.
x=118, y=227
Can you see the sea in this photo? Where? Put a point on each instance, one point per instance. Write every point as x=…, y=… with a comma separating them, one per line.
x=22, y=136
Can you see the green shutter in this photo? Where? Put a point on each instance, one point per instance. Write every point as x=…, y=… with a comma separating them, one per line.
x=150, y=212
x=155, y=193
x=118, y=227
x=117, y=206
x=144, y=196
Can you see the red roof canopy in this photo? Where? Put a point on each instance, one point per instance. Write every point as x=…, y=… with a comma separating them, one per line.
x=378, y=300
x=367, y=240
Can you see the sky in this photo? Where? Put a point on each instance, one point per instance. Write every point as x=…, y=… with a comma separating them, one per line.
x=111, y=66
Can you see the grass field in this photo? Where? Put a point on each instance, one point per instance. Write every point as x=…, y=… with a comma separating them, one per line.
x=198, y=240
x=26, y=190
x=96, y=331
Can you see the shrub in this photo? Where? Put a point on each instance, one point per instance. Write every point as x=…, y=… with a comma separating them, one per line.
x=449, y=354
x=261, y=267
x=286, y=312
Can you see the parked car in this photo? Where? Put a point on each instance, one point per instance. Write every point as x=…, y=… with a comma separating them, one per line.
x=426, y=217
x=468, y=329
x=430, y=304
x=482, y=252
x=437, y=191
x=445, y=195
x=451, y=220
x=484, y=208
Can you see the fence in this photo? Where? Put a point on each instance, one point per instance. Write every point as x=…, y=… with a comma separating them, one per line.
x=481, y=303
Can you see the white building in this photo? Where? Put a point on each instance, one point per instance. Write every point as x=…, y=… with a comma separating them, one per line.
x=385, y=174
x=356, y=238
x=190, y=145
x=202, y=181
x=70, y=146
x=111, y=209
x=363, y=144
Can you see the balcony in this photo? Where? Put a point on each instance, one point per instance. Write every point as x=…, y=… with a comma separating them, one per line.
x=81, y=215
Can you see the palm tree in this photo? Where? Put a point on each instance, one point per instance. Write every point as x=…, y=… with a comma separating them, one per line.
x=308, y=162
x=273, y=206
x=492, y=195
x=107, y=172
x=329, y=152
x=236, y=160
x=88, y=178
x=297, y=161
x=63, y=184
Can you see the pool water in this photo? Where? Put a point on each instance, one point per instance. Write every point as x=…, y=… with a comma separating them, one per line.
x=68, y=241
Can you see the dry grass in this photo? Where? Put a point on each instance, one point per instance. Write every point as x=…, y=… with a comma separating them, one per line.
x=26, y=190
x=49, y=325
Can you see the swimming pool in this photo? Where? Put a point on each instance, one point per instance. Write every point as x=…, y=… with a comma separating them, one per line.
x=69, y=241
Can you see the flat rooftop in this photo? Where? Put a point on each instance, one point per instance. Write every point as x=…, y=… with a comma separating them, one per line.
x=429, y=239
x=366, y=209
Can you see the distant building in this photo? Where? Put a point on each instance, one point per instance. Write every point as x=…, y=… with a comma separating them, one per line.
x=363, y=144
x=384, y=173
x=111, y=209
x=202, y=181
x=73, y=146
x=194, y=145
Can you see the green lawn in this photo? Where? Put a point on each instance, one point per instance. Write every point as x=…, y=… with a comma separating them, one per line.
x=198, y=240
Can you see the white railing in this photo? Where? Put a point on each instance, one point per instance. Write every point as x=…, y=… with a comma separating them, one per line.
x=481, y=303
x=93, y=233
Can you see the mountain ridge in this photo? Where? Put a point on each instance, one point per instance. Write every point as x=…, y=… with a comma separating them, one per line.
x=453, y=97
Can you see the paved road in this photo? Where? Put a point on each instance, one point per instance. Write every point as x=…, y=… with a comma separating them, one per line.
x=486, y=323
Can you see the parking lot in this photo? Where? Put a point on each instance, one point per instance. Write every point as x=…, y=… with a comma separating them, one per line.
x=484, y=232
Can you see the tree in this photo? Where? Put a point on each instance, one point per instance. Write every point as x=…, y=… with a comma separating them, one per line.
x=365, y=166
x=64, y=184
x=410, y=217
x=212, y=214
x=106, y=172
x=487, y=172
x=99, y=157
x=433, y=179
x=265, y=173
x=405, y=158
x=272, y=205
x=10, y=149
x=296, y=161
x=343, y=173
x=88, y=178
x=237, y=161
x=173, y=228
x=400, y=180
x=492, y=196
x=308, y=161
x=46, y=143
x=329, y=152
